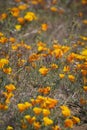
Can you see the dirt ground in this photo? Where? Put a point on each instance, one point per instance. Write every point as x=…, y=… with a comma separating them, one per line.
x=83, y=127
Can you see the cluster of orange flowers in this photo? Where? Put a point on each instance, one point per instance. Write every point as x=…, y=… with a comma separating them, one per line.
x=7, y=95
x=21, y=18
x=3, y=66
x=40, y=110
x=39, y=106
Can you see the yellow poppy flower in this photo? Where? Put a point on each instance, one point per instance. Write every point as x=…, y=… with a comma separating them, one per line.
x=3, y=107
x=66, y=69
x=3, y=16
x=75, y=119
x=3, y=40
x=71, y=77
x=50, y=103
x=7, y=70
x=45, y=112
x=30, y=119
x=9, y=95
x=27, y=105
x=12, y=39
x=85, y=21
x=37, y=125
x=47, y=121
x=9, y=128
x=30, y=16
x=85, y=88
x=43, y=70
x=37, y=110
x=23, y=7
x=61, y=76
x=15, y=11
x=56, y=127
x=45, y=90
x=21, y=20
x=53, y=9
x=18, y=27
x=3, y=62
x=68, y=123
x=21, y=107
x=10, y=87
x=44, y=27
x=65, y=111
x=83, y=38
x=84, y=52
x=33, y=57
x=54, y=66
x=58, y=53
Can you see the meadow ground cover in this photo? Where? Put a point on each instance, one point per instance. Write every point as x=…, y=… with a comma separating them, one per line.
x=43, y=64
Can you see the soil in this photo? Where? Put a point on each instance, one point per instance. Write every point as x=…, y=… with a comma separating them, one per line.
x=83, y=127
